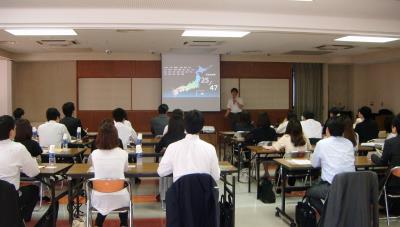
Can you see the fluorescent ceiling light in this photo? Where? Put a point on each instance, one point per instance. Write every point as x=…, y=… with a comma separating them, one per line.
x=41, y=32
x=214, y=33
x=367, y=39
x=301, y=0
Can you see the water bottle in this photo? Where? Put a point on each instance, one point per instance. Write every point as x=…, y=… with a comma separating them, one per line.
x=34, y=133
x=139, y=139
x=52, y=155
x=139, y=155
x=78, y=133
x=65, y=142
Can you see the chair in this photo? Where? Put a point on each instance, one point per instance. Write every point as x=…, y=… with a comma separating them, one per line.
x=394, y=173
x=305, y=173
x=107, y=186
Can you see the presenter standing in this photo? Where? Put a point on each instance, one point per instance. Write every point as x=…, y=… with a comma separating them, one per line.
x=234, y=107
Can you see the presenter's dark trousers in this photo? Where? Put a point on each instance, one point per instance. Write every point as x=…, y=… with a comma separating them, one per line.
x=234, y=119
x=317, y=193
x=29, y=196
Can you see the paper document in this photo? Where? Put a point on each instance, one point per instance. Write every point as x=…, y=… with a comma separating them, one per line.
x=300, y=161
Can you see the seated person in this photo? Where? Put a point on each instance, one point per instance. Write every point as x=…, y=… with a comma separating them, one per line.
x=158, y=123
x=18, y=113
x=109, y=162
x=244, y=123
x=71, y=122
x=14, y=159
x=125, y=133
x=23, y=135
x=52, y=132
x=281, y=129
x=349, y=132
x=191, y=154
x=176, y=113
x=263, y=132
x=292, y=140
x=176, y=131
x=333, y=112
x=367, y=129
x=334, y=154
x=388, y=127
x=391, y=153
x=311, y=127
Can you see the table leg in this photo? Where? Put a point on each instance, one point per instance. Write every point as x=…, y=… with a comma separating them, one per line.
x=239, y=162
x=53, y=201
x=70, y=206
x=258, y=171
x=281, y=211
x=249, y=183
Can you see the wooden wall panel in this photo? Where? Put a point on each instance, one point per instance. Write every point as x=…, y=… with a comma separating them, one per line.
x=152, y=69
x=105, y=69
x=270, y=70
x=147, y=69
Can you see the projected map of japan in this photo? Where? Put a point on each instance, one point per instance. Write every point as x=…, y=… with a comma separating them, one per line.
x=188, y=81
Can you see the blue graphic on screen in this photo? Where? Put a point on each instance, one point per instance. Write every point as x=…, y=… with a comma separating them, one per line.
x=190, y=82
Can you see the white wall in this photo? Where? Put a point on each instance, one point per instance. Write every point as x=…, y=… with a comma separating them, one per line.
x=5, y=87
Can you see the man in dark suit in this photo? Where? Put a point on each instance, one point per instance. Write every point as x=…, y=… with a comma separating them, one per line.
x=158, y=123
x=391, y=153
x=71, y=122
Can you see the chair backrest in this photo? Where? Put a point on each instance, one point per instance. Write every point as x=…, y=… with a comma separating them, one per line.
x=297, y=154
x=107, y=185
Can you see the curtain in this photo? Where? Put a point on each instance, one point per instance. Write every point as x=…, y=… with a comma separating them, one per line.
x=308, y=89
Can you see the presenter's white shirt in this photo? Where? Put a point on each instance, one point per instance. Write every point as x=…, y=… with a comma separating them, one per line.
x=14, y=159
x=125, y=133
x=334, y=155
x=51, y=133
x=234, y=107
x=109, y=164
x=312, y=128
x=187, y=156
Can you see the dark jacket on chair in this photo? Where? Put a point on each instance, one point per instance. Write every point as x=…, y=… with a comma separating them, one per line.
x=191, y=202
x=9, y=211
x=352, y=201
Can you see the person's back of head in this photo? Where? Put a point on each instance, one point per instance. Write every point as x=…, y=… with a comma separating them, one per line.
x=308, y=115
x=52, y=114
x=177, y=113
x=68, y=109
x=334, y=111
x=387, y=122
x=23, y=130
x=18, y=113
x=291, y=115
x=263, y=120
x=349, y=131
x=245, y=117
x=176, y=127
x=7, y=124
x=295, y=131
x=107, y=136
x=366, y=112
x=119, y=114
x=335, y=126
x=163, y=109
x=396, y=124
x=194, y=122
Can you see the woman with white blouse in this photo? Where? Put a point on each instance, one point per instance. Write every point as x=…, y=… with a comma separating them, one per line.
x=293, y=140
x=109, y=162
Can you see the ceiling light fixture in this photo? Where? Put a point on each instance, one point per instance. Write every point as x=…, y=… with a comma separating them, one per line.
x=42, y=32
x=301, y=0
x=214, y=33
x=366, y=39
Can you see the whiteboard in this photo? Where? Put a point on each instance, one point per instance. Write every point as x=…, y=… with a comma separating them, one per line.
x=146, y=93
x=104, y=93
x=265, y=93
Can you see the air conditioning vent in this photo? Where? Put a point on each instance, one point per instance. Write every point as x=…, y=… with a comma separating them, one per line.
x=334, y=47
x=307, y=52
x=57, y=43
x=202, y=43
